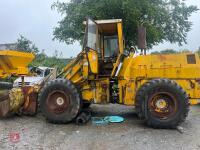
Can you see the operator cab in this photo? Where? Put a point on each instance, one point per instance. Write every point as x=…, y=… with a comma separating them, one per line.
x=106, y=39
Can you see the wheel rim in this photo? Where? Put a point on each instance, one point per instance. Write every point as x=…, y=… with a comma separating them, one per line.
x=58, y=102
x=162, y=105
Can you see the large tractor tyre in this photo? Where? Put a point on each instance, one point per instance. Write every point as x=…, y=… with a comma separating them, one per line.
x=162, y=103
x=59, y=101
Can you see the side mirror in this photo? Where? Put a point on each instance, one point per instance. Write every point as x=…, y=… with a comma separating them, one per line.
x=142, y=44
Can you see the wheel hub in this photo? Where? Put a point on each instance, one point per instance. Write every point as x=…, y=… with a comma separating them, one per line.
x=161, y=104
x=60, y=101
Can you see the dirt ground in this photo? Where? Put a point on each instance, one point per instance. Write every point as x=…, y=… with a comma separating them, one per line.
x=36, y=133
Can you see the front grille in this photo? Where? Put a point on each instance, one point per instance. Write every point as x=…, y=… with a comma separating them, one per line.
x=26, y=83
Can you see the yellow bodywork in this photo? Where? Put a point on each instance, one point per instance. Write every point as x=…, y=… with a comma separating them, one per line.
x=130, y=72
x=136, y=71
x=14, y=63
x=93, y=61
x=11, y=101
x=16, y=98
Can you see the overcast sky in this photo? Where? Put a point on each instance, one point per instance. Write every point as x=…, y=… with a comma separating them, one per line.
x=35, y=20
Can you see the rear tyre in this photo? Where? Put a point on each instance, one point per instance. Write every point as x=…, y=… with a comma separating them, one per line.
x=162, y=103
x=59, y=101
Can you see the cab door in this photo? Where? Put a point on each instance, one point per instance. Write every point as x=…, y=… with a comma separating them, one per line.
x=92, y=46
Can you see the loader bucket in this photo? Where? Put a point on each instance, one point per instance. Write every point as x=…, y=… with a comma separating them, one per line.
x=14, y=63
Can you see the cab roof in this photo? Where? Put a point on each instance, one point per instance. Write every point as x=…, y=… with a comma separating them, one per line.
x=107, y=21
x=107, y=26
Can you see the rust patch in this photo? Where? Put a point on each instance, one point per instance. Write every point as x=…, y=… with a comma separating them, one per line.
x=30, y=98
x=166, y=111
x=162, y=57
x=104, y=87
x=58, y=101
x=198, y=81
x=192, y=85
x=4, y=103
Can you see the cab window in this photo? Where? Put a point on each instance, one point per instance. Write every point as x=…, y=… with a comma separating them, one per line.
x=92, y=35
x=47, y=72
x=111, y=47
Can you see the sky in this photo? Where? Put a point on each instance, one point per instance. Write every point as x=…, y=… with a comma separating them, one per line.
x=35, y=20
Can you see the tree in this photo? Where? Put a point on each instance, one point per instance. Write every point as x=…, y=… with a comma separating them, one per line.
x=165, y=20
x=167, y=51
x=55, y=62
x=185, y=51
x=23, y=44
x=155, y=53
x=41, y=59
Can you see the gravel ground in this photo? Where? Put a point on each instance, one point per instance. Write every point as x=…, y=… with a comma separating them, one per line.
x=37, y=133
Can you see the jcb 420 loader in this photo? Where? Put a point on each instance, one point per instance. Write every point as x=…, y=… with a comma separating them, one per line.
x=159, y=86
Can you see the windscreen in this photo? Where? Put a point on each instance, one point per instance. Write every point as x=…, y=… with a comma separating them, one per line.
x=111, y=48
x=92, y=35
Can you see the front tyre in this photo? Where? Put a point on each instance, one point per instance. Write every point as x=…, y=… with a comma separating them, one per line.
x=59, y=101
x=162, y=103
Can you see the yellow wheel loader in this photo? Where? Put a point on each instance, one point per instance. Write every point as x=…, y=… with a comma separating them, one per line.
x=159, y=86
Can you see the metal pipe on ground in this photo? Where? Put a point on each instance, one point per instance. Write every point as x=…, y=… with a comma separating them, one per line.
x=83, y=117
